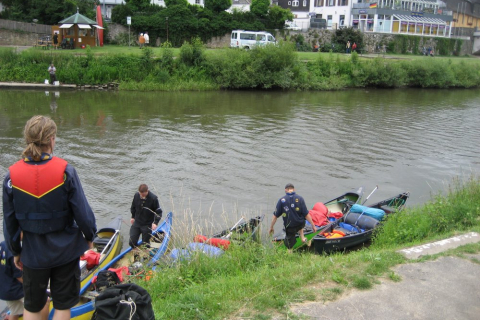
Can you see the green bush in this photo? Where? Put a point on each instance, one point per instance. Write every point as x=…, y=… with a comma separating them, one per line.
x=192, y=54
x=458, y=210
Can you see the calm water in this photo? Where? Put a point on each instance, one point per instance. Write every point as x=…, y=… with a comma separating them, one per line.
x=212, y=157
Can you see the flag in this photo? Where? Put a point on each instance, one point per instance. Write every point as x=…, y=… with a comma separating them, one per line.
x=373, y=5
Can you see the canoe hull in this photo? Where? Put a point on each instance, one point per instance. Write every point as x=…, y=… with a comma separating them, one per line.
x=325, y=245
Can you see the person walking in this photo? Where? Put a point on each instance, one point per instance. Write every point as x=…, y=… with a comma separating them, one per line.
x=44, y=201
x=141, y=41
x=294, y=211
x=52, y=71
x=354, y=47
x=146, y=214
x=147, y=39
x=55, y=40
x=348, y=46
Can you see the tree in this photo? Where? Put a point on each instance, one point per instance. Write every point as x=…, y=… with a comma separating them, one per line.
x=260, y=7
x=46, y=12
x=277, y=16
x=170, y=3
x=341, y=36
x=218, y=5
x=137, y=5
x=120, y=13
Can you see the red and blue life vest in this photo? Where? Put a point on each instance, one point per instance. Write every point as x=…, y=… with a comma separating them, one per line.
x=41, y=204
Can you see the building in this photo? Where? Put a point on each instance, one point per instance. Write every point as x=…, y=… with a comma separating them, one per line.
x=414, y=17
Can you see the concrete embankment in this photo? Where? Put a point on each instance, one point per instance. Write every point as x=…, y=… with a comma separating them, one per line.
x=445, y=288
x=41, y=86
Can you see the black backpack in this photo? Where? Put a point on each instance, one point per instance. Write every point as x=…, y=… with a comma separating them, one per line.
x=126, y=301
x=106, y=279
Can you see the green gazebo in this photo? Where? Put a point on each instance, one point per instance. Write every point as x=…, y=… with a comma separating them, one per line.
x=77, y=31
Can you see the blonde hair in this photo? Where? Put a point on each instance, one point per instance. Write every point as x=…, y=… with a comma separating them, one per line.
x=37, y=133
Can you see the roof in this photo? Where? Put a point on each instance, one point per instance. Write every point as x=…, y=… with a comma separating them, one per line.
x=78, y=18
x=419, y=19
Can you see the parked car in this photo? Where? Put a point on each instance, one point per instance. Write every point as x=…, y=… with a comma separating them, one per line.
x=290, y=25
x=250, y=39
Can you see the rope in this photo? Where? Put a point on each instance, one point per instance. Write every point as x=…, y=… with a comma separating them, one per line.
x=132, y=305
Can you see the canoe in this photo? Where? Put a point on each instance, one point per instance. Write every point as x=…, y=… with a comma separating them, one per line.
x=339, y=204
x=214, y=245
x=159, y=243
x=107, y=243
x=242, y=230
x=364, y=224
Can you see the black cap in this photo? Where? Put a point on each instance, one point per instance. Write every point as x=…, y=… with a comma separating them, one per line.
x=289, y=185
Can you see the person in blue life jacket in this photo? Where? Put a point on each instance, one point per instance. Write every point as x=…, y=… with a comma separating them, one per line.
x=294, y=211
x=11, y=290
x=44, y=201
x=146, y=214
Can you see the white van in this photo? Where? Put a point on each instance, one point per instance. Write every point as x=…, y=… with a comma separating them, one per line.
x=250, y=39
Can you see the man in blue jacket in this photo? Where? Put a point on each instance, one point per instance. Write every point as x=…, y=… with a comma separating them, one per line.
x=294, y=211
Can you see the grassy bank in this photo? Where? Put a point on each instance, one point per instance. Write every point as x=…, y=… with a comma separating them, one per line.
x=192, y=67
x=256, y=281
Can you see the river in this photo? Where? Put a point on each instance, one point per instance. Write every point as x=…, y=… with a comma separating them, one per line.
x=212, y=157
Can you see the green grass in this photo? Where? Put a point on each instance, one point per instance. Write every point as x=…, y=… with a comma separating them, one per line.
x=258, y=281
x=273, y=67
x=302, y=56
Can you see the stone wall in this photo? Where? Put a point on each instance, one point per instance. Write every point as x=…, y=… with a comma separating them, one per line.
x=17, y=38
x=372, y=42
x=115, y=30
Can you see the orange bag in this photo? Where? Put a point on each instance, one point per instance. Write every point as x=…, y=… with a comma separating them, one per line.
x=334, y=234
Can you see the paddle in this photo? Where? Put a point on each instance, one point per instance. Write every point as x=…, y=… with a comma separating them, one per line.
x=370, y=194
x=233, y=228
x=312, y=235
x=109, y=241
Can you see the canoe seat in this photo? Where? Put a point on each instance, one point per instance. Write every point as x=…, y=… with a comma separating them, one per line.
x=100, y=243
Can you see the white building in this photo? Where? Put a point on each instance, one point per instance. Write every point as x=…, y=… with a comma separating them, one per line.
x=414, y=17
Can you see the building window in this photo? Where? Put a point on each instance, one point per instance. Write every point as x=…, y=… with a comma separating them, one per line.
x=343, y=3
x=304, y=3
x=295, y=3
x=318, y=3
x=331, y=3
x=342, y=20
x=198, y=1
x=329, y=21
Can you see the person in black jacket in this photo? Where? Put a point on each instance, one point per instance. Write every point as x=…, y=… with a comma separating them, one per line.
x=146, y=213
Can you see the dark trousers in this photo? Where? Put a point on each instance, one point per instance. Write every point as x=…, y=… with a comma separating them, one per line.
x=135, y=232
x=53, y=78
x=291, y=235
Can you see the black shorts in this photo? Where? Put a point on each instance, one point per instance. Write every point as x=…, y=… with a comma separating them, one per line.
x=291, y=235
x=64, y=286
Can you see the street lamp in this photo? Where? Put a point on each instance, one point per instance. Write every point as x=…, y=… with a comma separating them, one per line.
x=166, y=21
